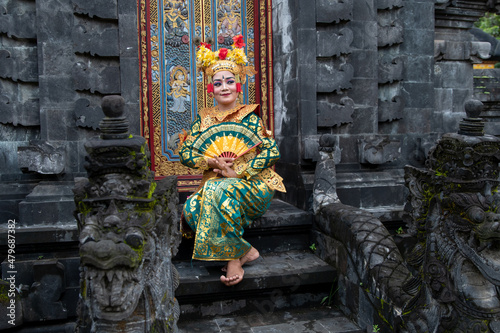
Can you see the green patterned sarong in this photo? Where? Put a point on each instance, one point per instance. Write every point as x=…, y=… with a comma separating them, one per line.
x=218, y=213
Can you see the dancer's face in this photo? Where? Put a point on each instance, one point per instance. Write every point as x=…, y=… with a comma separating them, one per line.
x=225, y=92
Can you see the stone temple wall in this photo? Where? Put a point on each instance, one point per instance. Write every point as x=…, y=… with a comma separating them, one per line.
x=487, y=90
x=386, y=78
x=58, y=60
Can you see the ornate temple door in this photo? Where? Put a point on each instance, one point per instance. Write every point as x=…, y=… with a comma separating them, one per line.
x=172, y=91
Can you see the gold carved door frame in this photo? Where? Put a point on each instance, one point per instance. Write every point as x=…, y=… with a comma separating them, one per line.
x=172, y=91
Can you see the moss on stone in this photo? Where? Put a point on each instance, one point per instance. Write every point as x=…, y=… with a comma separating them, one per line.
x=4, y=290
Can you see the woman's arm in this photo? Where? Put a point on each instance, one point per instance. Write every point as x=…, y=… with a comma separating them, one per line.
x=189, y=156
x=269, y=153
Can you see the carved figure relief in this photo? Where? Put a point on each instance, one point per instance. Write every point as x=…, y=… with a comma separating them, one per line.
x=176, y=15
x=229, y=17
x=179, y=92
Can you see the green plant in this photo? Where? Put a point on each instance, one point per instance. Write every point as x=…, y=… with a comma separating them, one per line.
x=489, y=23
x=375, y=328
x=400, y=231
x=313, y=247
x=327, y=300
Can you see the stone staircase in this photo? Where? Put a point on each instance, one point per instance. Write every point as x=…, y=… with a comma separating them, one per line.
x=281, y=291
x=298, y=320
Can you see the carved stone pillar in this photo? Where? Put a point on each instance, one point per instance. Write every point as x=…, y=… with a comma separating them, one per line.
x=127, y=234
x=455, y=53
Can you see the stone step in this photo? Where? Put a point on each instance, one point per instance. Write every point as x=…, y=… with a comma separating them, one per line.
x=283, y=227
x=301, y=320
x=277, y=280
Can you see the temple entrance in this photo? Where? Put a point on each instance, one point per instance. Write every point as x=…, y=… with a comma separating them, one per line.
x=172, y=91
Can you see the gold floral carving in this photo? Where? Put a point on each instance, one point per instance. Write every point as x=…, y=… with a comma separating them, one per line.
x=144, y=68
x=164, y=167
x=270, y=92
x=151, y=99
x=263, y=62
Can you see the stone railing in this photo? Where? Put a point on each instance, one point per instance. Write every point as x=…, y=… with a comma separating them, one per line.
x=447, y=278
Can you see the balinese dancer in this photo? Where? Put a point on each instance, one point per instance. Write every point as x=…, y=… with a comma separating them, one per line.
x=237, y=187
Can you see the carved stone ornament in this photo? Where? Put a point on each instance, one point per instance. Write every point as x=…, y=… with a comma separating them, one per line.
x=328, y=11
x=378, y=150
x=474, y=52
x=325, y=180
x=453, y=205
x=127, y=234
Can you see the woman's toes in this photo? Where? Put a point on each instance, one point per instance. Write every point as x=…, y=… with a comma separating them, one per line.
x=234, y=273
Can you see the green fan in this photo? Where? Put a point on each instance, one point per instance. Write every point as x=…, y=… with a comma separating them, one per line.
x=227, y=140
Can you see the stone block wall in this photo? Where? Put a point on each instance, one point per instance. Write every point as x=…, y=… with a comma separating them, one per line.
x=487, y=90
x=58, y=59
x=363, y=71
x=294, y=86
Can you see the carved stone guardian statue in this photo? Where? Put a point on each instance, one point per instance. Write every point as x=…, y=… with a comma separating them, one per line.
x=455, y=218
x=127, y=234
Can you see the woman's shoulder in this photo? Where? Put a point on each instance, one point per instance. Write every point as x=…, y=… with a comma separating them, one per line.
x=249, y=112
x=209, y=111
x=252, y=107
x=211, y=116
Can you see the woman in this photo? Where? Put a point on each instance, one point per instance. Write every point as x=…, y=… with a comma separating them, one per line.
x=234, y=191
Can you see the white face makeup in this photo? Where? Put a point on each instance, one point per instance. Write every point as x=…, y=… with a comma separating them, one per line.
x=225, y=91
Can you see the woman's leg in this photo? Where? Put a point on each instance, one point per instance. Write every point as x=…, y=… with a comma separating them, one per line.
x=219, y=214
x=191, y=210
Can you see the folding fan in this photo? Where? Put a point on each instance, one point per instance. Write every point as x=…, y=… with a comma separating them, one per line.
x=227, y=140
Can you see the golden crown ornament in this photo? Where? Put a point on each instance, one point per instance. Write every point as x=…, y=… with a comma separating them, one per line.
x=233, y=60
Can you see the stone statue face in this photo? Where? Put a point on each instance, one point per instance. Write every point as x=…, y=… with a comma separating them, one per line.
x=463, y=261
x=115, y=241
x=474, y=225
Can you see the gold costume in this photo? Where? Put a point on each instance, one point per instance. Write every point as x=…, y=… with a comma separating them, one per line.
x=220, y=209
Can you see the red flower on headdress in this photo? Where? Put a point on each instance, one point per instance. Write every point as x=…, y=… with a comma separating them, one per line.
x=210, y=88
x=222, y=53
x=238, y=41
x=238, y=87
x=208, y=46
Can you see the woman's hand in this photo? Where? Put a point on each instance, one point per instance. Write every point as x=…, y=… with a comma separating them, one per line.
x=222, y=165
x=220, y=162
x=228, y=173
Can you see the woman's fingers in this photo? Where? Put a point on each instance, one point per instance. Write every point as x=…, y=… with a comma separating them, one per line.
x=226, y=172
x=224, y=162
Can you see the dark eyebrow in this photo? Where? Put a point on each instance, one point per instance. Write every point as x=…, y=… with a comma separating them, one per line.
x=226, y=78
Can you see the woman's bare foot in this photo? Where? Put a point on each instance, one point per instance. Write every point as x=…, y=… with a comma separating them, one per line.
x=251, y=255
x=234, y=273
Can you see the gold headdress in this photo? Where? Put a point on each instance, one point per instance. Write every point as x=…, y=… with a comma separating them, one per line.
x=233, y=60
